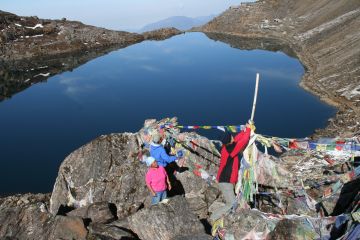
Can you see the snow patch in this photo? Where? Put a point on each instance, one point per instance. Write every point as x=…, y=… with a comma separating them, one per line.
x=42, y=74
x=36, y=26
x=19, y=25
x=27, y=80
x=350, y=94
x=40, y=35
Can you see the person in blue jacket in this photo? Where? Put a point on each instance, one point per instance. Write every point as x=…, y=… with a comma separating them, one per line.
x=158, y=152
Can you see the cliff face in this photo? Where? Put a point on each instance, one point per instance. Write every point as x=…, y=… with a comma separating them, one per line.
x=325, y=37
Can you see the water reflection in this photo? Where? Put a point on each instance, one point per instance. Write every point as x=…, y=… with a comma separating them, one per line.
x=17, y=76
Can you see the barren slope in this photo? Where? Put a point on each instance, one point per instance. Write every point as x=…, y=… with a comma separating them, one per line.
x=325, y=36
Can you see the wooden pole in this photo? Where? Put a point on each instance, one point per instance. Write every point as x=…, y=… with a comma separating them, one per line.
x=255, y=96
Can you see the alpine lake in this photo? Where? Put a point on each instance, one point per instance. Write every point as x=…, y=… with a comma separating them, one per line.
x=191, y=76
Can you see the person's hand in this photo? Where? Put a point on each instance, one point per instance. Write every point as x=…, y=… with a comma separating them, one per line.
x=154, y=194
x=169, y=186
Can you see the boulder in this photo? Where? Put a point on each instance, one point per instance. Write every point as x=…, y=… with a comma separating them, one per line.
x=67, y=228
x=106, y=169
x=103, y=231
x=166, y=221
x=24, y=217
x=194, y=237
x=246, y=221
x=109, y=169
x=101, y=212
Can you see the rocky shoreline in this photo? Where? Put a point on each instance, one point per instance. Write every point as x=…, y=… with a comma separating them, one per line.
x=324, y=36
x=24, y=38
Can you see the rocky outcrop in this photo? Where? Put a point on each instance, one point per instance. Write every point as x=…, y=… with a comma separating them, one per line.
x=31, y=37
x=26, y=217
x=100, y=193
x=106, y=169
x=166, y=221
x=109, y=231
x=323, y=35
x=115, y=174
x=100, y=212
x=104, y=181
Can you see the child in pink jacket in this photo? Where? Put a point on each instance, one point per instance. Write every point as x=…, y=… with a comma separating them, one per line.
x=156, y=180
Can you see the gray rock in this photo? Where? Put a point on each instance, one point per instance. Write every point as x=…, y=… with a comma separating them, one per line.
x=102, y=231
x=194, y=237
x=20, y=220
x=166, y=221
x=197, y=205
x=106, y=169
x=241, y=223
x=211, y=194
x=26, y=217
x=98, y=212
x=216, y=205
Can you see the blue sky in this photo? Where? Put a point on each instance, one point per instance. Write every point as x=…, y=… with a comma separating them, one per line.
x=116, y=14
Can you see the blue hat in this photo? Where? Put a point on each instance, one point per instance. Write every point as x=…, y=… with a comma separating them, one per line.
x=149, y=161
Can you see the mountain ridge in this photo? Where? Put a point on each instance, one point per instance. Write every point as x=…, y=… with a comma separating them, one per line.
x=180, y=22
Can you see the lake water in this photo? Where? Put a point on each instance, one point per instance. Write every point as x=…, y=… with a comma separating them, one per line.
x=200, y=81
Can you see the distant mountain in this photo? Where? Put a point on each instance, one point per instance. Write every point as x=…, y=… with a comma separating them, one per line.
x=179, y=22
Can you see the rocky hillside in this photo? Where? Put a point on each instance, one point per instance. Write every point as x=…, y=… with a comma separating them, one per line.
x=324, y=35
x=31, y=37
